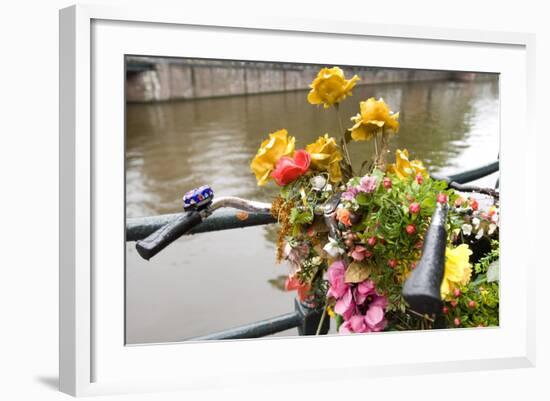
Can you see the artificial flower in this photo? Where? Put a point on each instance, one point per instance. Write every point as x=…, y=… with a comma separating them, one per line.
x=335, y=276
x=350, y=193
x=373, y=116
x=480, y=233
x=344, y=216
x=326, y=156
x=359, y=253
x=289, y=168
x=458, y=269
x=278, y=144
x=333, y=248
x=374, y=318
x=467, y=229
x=345, y=305
x=404, y=168
x=293, y=283
x=296, y=254
x=363, y=290
x=367, y=184
x=318, y=182
x=330, y=87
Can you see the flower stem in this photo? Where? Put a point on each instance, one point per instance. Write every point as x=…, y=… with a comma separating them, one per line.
x=343, y=133
x=322, y=320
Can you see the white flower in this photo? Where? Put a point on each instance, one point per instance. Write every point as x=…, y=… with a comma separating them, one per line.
x=492, y=228
x=316, y=260
x=475, y=222
x=467, y=229
x=479, y=233
x=318, y=182
x=333, y=248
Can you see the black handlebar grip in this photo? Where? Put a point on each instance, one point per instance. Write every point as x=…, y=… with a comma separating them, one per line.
x=422, y=290
x=164, y=236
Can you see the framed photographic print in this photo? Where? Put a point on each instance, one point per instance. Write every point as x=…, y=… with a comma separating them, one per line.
x=235, y=192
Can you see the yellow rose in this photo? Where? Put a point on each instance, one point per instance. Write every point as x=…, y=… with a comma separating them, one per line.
x=330, y=87
x=374, y=115
x=278, y=144
x=404, y=168
x=458, y=269
x=326, y=156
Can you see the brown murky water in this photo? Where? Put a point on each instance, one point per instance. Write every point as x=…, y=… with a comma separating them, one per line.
x=214, y=281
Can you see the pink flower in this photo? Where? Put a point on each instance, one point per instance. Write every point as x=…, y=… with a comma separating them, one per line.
x=367, y=184
x=414, y=207
x=336, y=278
x=363, y=290
x=359, y=253
x=345, y=305
x=441, y=198
x=288, y=169
x=374, y=318
x=350, y=194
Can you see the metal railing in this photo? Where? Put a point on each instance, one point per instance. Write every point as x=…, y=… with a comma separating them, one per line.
x=304, y=317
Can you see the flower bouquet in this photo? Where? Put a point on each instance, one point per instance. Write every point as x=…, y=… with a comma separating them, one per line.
x=353, y=265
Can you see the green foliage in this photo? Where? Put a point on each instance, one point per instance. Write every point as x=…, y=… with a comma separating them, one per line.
x=478, y=302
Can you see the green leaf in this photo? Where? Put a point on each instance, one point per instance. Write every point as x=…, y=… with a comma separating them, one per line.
x=362, y=199
x=301, y=217
x=339, y=320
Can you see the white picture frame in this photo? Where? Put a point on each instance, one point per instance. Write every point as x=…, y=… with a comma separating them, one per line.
x=93, y=357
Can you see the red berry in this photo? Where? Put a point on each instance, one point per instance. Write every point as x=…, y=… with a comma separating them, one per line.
x=371, y=241
x=414, y=207
x=456, y=292
x=419, y=179
x=454, y=303
x=387, y=183
x=411, y=229
x=445, y=310
x=473, y=204
x=457, y=321
x=392, y=263
x=441, y=198
x=472, y=304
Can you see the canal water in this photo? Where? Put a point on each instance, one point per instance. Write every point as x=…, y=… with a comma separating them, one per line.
x=214, y=281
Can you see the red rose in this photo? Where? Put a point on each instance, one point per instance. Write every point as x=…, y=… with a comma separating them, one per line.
x=288, y=169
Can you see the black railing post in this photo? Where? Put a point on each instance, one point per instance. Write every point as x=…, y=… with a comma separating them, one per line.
x=311, y=319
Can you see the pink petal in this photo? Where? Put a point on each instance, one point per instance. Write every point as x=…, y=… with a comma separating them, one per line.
x=374, y=315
